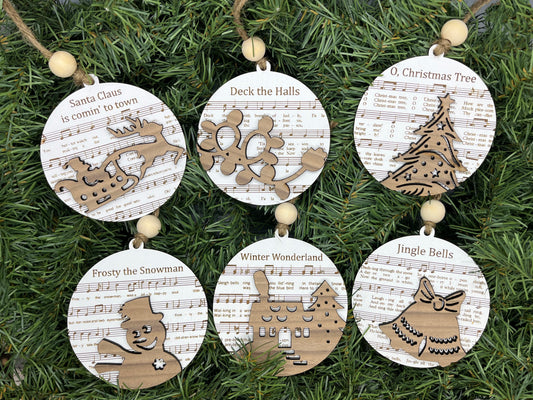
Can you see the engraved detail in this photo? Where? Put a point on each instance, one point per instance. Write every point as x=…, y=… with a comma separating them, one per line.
x=237, y=154
x=432, y=318
x=147, y=363
x=429, y=165
x=94, y=186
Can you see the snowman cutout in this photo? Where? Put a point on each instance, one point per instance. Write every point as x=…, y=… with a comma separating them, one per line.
x=147, y=364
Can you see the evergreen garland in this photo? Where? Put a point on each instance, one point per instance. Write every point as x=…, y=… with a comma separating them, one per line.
x=182, y=51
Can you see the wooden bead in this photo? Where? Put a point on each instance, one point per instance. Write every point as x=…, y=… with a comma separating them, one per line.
x=62, y=64
x=432, y=211
x=455, y=31
x=253, y=49
x=286, y=213
x=149, y=226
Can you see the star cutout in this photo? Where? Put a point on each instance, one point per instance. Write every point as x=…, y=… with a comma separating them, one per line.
x=440, y=126
x=159, y=363
x=445, y=101
x=435, y=173
x=407, y=176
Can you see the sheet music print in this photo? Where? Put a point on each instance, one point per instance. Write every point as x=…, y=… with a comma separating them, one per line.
x=174, y=291
x=294, y=269
x=297, y=118
x=80, y=126
x=404, y=98
x=389, y=277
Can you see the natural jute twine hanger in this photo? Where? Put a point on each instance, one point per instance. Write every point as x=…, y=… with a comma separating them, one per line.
x=237, y=7
x=444, y=45
x=80, y=77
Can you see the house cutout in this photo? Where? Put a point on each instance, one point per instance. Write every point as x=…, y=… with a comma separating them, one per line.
x=304, y=336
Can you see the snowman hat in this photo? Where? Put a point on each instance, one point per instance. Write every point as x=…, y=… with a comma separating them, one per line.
x=138, y=311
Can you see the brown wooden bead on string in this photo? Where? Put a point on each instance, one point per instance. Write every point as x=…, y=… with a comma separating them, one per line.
x=455, y=31
x=432, y=212
x=61, y=63
x=148, y=227
x=286, y=214
x=253, y=49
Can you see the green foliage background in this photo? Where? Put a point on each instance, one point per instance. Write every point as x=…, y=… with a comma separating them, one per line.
x=182, y=51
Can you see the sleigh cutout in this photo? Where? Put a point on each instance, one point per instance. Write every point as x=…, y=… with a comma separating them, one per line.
x=96, y=186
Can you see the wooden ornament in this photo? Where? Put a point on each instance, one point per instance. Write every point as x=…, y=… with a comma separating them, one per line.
x=281, y=295
x=425, y=125
x=113, y=151
x=263, y=137
x=421, y=301
x=137, y=318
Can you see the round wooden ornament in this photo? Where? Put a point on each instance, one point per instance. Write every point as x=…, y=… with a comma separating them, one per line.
x=113, y=151
x=425, y=125
x=421, y=301
x=263, y=137
x=137, y=318
x=281, y=295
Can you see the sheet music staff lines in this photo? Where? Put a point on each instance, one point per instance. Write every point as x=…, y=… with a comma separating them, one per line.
x=429, y=89
x=397, y=116
x=260, y=105
x=407, y=291
x=157, y=305
x=423, y=266
x=108, y=332
x=94, y=356
x=102, y=150
x=134, y=284
x=244, y=298
x=277, y=270
x=471, y=153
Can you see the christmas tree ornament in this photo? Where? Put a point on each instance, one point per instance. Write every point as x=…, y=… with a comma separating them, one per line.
x=263, y=136
x=281, y=295
x=113, y=151
x=138, y=317
x=426, y=123
x=419, y=300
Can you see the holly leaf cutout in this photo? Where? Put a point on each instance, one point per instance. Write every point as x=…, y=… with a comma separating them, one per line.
x=244, y=177
x=207, y=161
x=282, y=190
x=267, y=173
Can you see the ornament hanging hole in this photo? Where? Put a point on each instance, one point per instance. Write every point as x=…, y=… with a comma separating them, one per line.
x=95, y=80
x=132, y=245
x=268, y=67
x=432, y=54
x=423, y=232
x=278, y=236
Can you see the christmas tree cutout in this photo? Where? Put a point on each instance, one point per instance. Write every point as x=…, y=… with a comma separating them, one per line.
x=431, y=163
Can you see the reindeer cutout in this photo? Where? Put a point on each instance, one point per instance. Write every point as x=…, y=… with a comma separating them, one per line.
x=428, y=329
x=147, y=363
x=97, y=186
